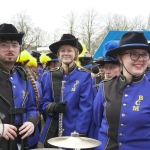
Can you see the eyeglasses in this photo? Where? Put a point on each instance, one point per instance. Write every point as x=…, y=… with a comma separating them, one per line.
x=135, y=56
x=6, y=46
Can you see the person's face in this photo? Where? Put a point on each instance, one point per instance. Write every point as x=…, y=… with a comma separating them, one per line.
x=134, y=67
x=66, y=54
x=101, y=69
x=57, y=63
x=111, y=70
x=35, y=69
x=9, y=51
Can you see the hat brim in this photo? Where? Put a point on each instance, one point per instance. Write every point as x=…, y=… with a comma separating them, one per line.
x=107, y=62
x=115, y=51
x=55, y=46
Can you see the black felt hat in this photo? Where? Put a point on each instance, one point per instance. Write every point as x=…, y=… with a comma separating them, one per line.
x=52, y=56
x=8, y=31
x=36, y=55
x=108, y=60
x=66, y=39
x=87, y=62
x=130, y=40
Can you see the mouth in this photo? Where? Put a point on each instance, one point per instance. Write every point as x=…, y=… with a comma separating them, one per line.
x=138, y=66
x=10, y=54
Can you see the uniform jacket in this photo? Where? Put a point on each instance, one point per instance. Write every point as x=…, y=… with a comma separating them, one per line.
x=18, y=86
x=122, y=114
x=79, y=98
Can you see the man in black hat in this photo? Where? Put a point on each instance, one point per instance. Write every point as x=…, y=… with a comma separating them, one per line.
x=66, y=89
x=17, y=98
x=122, y=104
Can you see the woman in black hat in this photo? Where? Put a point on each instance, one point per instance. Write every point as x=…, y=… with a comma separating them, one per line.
x=122, y=105
x=67, y=90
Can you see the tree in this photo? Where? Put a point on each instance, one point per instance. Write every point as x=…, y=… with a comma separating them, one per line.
x=89, y=28
x=33, y=35
x=70, y=23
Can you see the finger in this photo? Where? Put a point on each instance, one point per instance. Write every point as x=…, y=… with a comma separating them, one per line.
x=13, y=127
x=10, y=136
x=23, y=126
x=6, y=137
x=12, y=132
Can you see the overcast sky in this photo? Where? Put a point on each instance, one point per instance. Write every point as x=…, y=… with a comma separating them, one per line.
x=48, y=14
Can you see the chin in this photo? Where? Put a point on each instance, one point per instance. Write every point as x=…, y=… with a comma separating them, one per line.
x=138, y=74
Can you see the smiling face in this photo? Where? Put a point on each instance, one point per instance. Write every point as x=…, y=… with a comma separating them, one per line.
x=134, y=67
x=67, y=54
x=9, y=51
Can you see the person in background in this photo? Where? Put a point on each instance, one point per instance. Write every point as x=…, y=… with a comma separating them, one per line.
x=75, y=101
x=17, y=97
x=101, y=66
x=111, y=65
x=122, y=105
x=39, y=68
x=53, y=62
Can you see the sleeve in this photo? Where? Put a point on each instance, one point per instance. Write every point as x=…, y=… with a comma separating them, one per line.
x=98, y=107
x=47, y=102
x=85, y=106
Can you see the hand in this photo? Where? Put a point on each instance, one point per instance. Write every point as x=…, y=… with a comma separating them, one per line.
x=26, y=129
x=9, y=132
x=60, y=107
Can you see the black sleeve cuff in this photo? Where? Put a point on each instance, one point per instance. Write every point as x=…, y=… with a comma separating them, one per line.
x=33, y=120
x=50, y=108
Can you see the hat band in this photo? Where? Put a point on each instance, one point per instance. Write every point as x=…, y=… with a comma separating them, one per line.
x=87, y=66
x=55, y=59
x=135, y=44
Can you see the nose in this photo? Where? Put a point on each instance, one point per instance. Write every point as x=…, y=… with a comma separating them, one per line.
x=141, y=57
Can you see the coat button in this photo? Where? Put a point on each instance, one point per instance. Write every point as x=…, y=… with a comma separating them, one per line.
x=11, y=78
x=126, y=95
x=120, y=134
x=124, y=104
x=120, y=144
x=121, y=125
x=14, y=86
x=123, y=115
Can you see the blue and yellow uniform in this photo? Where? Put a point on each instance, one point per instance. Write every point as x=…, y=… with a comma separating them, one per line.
x=122, y=112
x=15, y=93
x=77, y=94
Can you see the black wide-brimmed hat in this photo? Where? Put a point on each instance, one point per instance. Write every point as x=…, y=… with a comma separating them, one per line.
x=52, y=56
x=8, y=31
x=36, y=55
x=87, y=62
x=130, y=40
x=108, y=60
x=66, y=39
